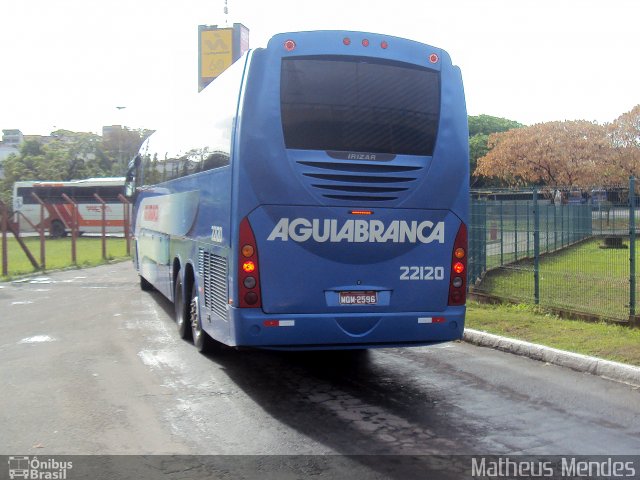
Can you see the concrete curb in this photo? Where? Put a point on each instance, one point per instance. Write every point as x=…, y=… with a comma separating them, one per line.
x=618, y=372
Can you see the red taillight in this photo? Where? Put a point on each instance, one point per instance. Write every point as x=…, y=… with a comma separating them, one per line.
x=458, y=278
x=249, y=266
x=248, y=271
x=289, y=45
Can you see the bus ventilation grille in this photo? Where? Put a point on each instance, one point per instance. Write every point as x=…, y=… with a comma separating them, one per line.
x=213, y=271
x=360, y=182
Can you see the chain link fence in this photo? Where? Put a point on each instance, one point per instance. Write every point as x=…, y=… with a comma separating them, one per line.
x=567, y=249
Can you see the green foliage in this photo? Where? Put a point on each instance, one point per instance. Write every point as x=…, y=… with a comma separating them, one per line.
x=478, y=148
x=486, y=125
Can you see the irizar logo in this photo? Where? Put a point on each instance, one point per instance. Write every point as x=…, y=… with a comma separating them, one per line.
x=357, y=231
x=361, y=156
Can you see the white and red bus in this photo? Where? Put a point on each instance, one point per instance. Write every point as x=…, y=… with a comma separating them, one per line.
x=58, y=212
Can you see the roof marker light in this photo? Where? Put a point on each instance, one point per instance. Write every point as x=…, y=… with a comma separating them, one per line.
x=365, y=42
x=346, y=41
x=289, y=45
x=384, y=44
x=433, y=58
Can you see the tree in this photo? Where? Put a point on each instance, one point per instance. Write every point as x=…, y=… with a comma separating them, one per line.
x=553, y=153
x=624, y=134
x=480, y=127
x=74, y=155
x=486, y=125
x=120, y=145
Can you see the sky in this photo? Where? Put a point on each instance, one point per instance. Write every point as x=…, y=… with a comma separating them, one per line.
x=69, y=63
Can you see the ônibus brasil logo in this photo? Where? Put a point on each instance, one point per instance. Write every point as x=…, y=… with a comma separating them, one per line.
x=34, y=468
x=329, y=230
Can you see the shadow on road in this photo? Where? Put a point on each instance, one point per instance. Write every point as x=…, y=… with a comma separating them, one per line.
x=358, y=404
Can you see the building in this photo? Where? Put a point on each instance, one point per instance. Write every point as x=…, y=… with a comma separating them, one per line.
x=10, y=144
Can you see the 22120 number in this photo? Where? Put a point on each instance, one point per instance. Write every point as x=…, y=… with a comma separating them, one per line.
x=421, y=273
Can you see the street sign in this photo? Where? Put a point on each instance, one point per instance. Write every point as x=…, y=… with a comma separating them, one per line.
x=218, y=48
x=215, y=52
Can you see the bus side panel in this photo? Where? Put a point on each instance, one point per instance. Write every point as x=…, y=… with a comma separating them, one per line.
x=158, y=218
x=175, y=220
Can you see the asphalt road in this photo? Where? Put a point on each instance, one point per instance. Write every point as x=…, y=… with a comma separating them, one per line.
x=92, y=365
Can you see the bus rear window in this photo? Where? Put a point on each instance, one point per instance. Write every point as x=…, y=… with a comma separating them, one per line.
x=359, y=105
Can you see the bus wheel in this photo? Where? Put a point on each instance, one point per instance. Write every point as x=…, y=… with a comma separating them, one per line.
x=182, y=314
x=201, y=339
x=57, y=229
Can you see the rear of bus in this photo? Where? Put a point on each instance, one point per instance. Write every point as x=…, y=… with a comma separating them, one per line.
x=350, y=194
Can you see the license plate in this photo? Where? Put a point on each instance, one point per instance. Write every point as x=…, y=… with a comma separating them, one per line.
x=358, y=298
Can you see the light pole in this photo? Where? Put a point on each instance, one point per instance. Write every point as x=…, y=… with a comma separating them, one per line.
x=120, y=133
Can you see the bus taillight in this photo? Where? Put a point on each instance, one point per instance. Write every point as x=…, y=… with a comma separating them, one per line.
x=458, y=282
x=248, y=271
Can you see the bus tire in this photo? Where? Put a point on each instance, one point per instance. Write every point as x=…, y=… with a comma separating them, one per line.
x=201, y=339
x=182, y=311
x=57, y=229
x=145, y=285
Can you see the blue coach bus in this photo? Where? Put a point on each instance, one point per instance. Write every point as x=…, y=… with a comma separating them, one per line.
x=315, y=196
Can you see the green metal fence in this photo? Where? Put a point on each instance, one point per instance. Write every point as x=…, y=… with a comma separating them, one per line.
x=563, y=248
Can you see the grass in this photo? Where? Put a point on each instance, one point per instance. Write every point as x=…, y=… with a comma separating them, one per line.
x=58, y=254
x=525, y=322
x=583, y=278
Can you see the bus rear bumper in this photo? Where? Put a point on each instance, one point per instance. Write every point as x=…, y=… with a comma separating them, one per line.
x=252, y=328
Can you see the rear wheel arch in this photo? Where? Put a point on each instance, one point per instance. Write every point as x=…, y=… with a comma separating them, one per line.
x=189, y=279
x=184, y=284
x=175, y=271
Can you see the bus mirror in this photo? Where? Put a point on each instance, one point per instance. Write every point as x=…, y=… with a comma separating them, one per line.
x=129, y=188
x=130, y=179
x=133, y=167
